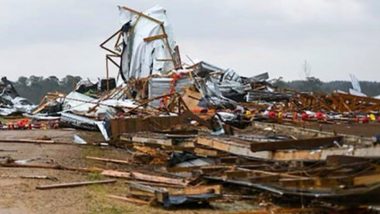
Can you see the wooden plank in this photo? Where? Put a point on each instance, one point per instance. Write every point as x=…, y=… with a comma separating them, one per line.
x=27, y=141
x=367, y=180
x=152, y=38
x=155, y=184
x=349, y=139
x=297, y=155
x=202, y=189
x=153, y=123
x=317, y=182
x=206, y=152
x=108, y=160
x=302, y=144
x=150, y=140
x=144, y=177
x=344, y=159
x=242, y=149
x=75, y=184
x=50, y=166
x=194, y=190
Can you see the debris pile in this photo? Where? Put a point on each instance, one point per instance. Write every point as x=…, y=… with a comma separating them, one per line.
x=186, y=129
x=10, y=101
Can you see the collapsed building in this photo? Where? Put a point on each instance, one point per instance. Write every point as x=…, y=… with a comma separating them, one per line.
x=195, y=116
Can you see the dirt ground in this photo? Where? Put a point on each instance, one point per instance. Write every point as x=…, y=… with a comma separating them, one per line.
x=19, y=195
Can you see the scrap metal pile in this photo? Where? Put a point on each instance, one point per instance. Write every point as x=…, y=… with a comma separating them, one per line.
x=10, y=101
x=187, y=121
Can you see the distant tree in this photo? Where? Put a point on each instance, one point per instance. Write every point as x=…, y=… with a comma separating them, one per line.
x=35, y=88
x=280, y=84
x=316, y=85
x=313, y=84
x=22, y=80
x=69, y=82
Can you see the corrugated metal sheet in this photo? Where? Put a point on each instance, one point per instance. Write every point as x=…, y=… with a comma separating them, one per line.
x=161, y=86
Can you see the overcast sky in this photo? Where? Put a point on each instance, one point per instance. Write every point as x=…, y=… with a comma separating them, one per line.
x=336, y=37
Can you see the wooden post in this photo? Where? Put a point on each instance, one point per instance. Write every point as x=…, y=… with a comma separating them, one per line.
x=107, y=75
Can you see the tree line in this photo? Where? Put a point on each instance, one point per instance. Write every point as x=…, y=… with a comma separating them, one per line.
x=34, y=88
x=312, y=84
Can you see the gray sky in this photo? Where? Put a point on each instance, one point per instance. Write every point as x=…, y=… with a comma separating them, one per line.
x=337, y=37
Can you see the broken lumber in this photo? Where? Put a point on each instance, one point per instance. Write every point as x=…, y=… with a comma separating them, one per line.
x=144, y=177
x=75, y=184
x=302, y=144
x=233, y=147
x=197, y=190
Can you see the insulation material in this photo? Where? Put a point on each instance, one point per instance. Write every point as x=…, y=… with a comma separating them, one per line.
x=142, y=58
x=83, y=104
x=355, y=83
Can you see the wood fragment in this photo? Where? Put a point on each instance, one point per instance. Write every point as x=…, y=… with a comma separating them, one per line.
x=75, y=184
x=108, y=160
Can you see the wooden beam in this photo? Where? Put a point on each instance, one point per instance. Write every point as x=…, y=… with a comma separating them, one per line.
x=367, y=180
x=28, y=141
x=107, y=40
x=241, y=148
x=75, y=184
x=152, y=38
x=202, y=189
x=144, y=177
x=152, y=140
x=302, y=144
